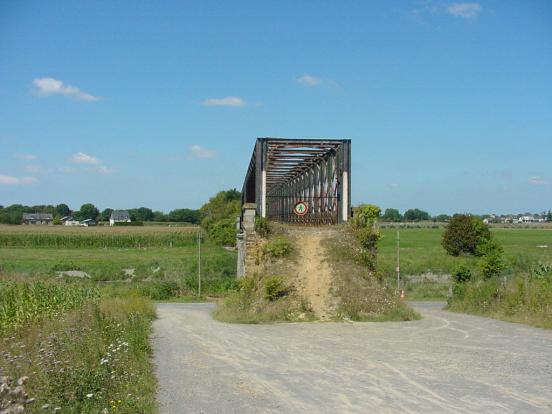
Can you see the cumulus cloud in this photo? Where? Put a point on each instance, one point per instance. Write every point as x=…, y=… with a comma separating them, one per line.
x=10, y=180
x=537, y=181
x=51, y=86
x=465, y=10
x=82, y=158
x=197, y=151
x=27, y=157
x=226, y=101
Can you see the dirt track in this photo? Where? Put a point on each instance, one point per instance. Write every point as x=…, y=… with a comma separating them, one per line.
x=314, y=274
x=445, y=363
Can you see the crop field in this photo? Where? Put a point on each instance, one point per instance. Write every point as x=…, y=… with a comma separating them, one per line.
x=100, y=236
x=129, y=257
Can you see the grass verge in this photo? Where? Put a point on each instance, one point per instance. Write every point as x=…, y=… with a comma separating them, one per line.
x=361, y=296
x=523, y=299
x=90, y=357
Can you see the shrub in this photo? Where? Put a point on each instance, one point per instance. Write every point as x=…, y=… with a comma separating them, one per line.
x=223, y=232
x=461, y=274
x=464, y=234
x=274, y=288
x=262, y=227
x=278, y=247
x=491, y=262
x=365, y=230
x=542, y=271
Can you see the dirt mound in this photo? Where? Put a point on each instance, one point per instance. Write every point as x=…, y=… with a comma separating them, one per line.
x=314, y=275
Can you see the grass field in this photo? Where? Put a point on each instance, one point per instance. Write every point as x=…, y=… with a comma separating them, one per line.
x=421, y=253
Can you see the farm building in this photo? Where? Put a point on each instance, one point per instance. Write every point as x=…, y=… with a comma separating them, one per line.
x=88, y=223
x=37, y=218
x=119, y=216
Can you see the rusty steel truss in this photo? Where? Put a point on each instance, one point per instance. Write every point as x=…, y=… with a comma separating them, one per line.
x=283, y=172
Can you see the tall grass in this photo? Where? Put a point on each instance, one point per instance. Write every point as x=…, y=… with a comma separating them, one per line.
x=98, y=240
x=91, y=355
x=517, y=298
x=23, y=302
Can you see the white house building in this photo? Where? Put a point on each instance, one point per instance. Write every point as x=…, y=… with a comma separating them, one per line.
x=119, y=216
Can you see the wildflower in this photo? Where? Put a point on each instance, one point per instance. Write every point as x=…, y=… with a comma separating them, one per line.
x=89, y=395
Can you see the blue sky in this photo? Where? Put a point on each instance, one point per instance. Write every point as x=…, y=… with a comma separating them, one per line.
x=123, y=104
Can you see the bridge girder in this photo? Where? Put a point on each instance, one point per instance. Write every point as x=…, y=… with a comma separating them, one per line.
x=283, y=172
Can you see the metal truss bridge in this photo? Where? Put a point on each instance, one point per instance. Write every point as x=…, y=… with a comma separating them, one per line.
x=305, y=181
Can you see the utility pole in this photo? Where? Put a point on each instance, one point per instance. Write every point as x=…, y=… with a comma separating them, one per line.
x=398, y=263
x=199, y=263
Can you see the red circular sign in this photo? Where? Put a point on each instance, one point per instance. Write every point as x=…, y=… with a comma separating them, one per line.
x=301, y=208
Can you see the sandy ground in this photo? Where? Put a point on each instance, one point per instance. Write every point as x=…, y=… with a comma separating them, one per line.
x=444, y=363
x=314, y=274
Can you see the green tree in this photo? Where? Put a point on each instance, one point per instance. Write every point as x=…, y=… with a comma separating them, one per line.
x=13, y=214
x=185, y=215
x=392, y=214
x=442, y=218
x=159, y=216
x=87, y=211
x=416, y=214
x=106, y=214
x=365, y=229
x=464, y=234
x=62, y=210
x=219, y=216
x=549, y=216
x=141, y=214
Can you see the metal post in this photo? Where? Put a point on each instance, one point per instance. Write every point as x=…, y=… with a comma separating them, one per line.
x=199, y=263
x=398, y=263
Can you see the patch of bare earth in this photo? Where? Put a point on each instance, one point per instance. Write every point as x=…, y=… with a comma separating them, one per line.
x=314, y=275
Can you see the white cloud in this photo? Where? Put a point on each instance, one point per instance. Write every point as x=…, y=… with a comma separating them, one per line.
x=465, y=10
x=85, y=159
x=198, y=151
x=227, y=101
x=309, y=80
x=537, y=181
x=82, y=158
x=51, y=86
x=10, y=180
x=28, y=157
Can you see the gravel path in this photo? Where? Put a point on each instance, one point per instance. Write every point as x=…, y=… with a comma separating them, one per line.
x=444, y=363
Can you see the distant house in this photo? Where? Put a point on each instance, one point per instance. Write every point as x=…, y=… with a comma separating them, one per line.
x=37, y=218
x=70, y=221
x=119, y=216
x=88, y=223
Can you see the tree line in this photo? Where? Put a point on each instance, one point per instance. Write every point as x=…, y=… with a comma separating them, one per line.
x=13, y=214
x=415, y=214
